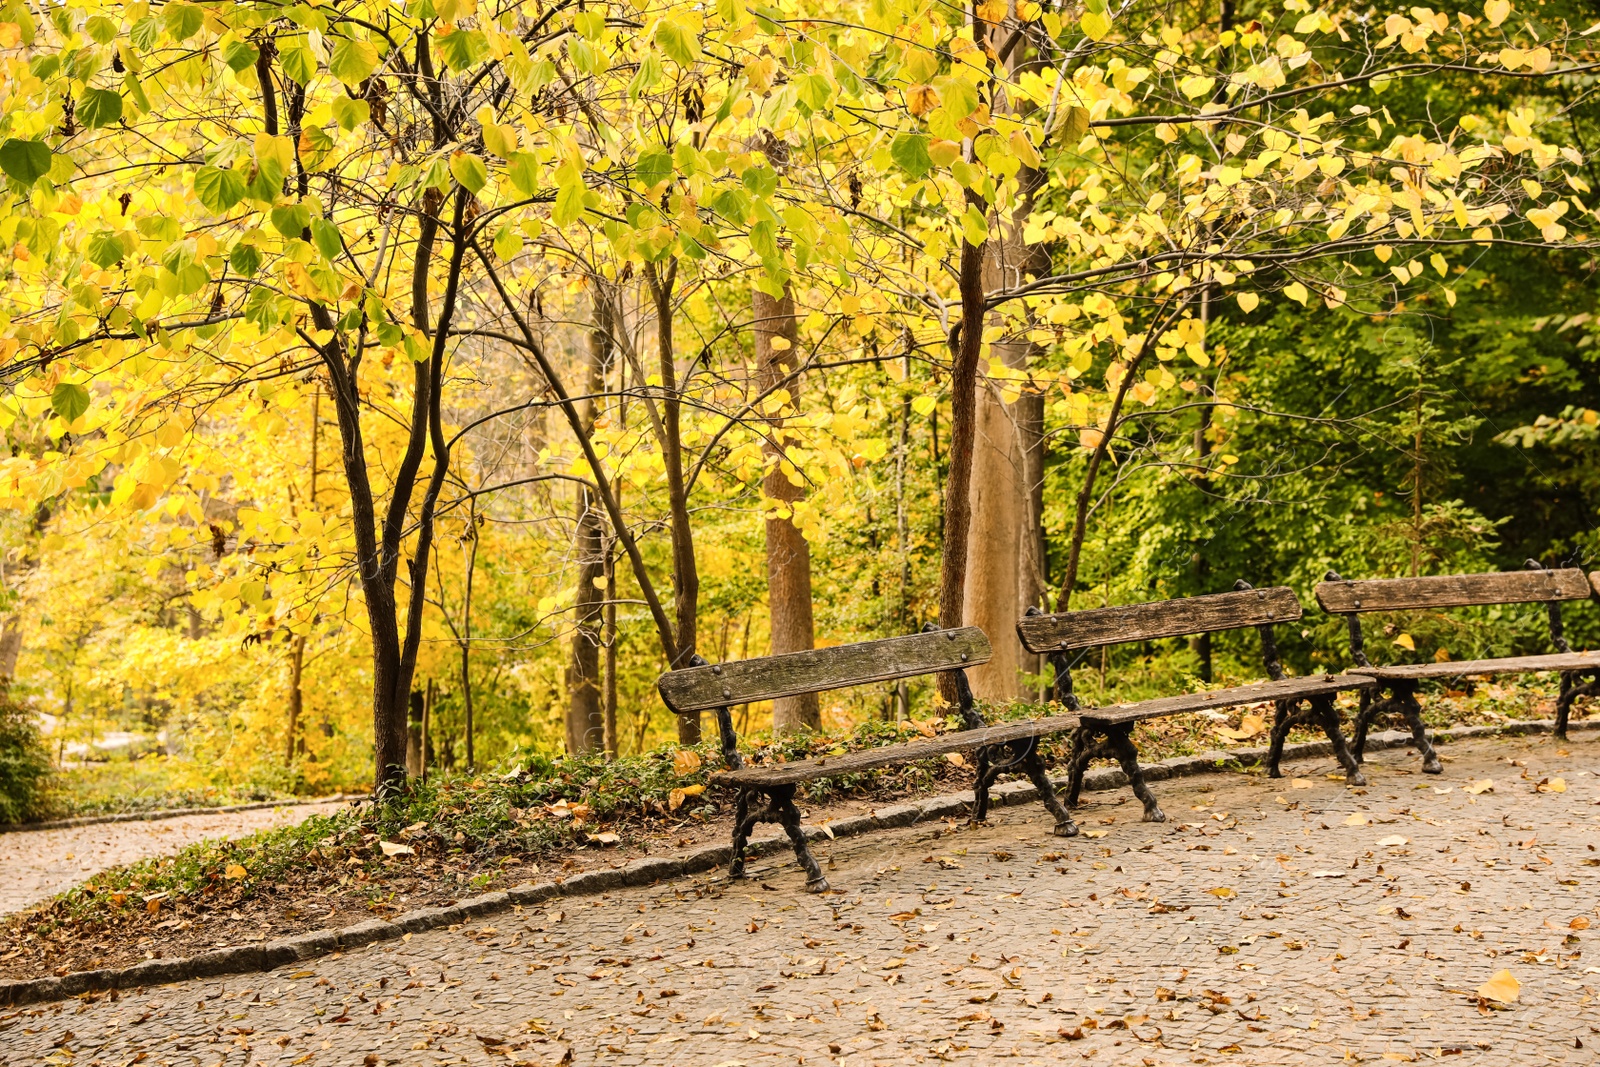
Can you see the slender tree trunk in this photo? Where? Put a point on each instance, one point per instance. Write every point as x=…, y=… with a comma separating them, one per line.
x=297, y=658
x=609, y=641
x=685, y=572
x=418, y=709
x=466, y=636
x=585, y=718
x=788, y=552
x=966, y=348
x=1200, y=644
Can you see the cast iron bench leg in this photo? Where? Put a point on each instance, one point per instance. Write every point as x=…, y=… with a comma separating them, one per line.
x=1034, y=765
x=980, y=788
x=1405, y=694
x=1084, y=748
x=789, y=816
x=743, y=822
x=1119, y=740
x=1571, y=690
x=1281, y=722
x=1328, y=716
x=1370, y=712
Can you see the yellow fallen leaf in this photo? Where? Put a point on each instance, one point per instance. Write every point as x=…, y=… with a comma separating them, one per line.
x=955, y=759
x=1300, y=783
x=1551, y=785
x=1392, y=841
x=1223, y=892
x=391, y=848
x=1482, y=785
x=1580, y=923
x=1405, y=642
x=1357, y=819
x=234, y=872
x=675, y=799
x=1095, y=833
x=1502, y=987
x=1249, y=726
x=686, y=761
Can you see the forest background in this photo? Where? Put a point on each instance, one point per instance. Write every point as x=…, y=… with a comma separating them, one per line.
x=639, y=331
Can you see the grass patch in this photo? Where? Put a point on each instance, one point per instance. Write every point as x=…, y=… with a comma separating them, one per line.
x=149, y=783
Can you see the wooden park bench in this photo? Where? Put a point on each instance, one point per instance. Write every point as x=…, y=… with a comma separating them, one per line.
x=718, y=687
x=1107, y=731
x=1536, y=585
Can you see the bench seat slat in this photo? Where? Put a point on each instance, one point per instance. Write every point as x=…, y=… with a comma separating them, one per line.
x=793, y=673
x=921, y=748
x=1260, y=692
x=1561, y=661
x=1452, y=591
x=1162, y=618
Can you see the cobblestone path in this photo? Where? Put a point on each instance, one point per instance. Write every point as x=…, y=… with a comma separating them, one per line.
x=1281, y=922
x=37, y=864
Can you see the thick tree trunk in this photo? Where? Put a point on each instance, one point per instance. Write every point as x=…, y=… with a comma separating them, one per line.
x=788, y=553
x=585, y=715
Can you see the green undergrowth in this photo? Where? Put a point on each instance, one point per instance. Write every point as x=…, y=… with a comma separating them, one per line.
x=150, y=783
x=534, y=806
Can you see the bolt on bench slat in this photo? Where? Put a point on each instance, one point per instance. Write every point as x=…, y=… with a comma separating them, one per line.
x=794, y=673
x=1165, y=618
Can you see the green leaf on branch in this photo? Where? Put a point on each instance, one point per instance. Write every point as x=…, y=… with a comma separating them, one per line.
x=653, y=166
x=26, y=161
x=468, y=171
x=291, y=220
x=218, y=189
x=69, y=401
x=105, y=249
x=910, y=153
x=677, y=42
x=353, y=61
x=100, y=107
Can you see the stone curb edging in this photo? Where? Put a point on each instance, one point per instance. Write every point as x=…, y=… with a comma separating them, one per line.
x=171, y=813
x=244, y=959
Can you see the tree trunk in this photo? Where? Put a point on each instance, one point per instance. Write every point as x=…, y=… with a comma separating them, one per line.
x=297, y=659
x=966, y=347
x=585, y=716
x=414, y=734
x=788, y=552
x=685, y=571
x=609, y=641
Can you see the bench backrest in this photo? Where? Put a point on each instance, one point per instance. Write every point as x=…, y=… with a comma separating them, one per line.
x=1056, y=635
x=1452, y=591
x=1161, y=618
x=1536, y=585
x=719, y=686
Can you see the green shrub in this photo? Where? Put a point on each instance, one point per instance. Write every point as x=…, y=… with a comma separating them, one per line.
x=24, y=763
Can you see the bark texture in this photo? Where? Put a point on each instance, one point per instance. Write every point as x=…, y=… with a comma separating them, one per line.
x=585, y=713
x=788, y=552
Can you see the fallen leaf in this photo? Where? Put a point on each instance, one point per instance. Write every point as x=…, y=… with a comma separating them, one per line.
x=1482, y=785
x=1442, y=790
x=1249, y=726
x=1224, y=892
x=1392, y=841
x=234, y=872
x=1503, y=988
x=1580, y=923
x=1551, y=785
x=686, y=761
x=1300, y=783
x=1095, y=833
x=955, y=759
x=391, y=848
x=1405, y=642
x=1357, y=819
x=607, y=838
x=1327, y=874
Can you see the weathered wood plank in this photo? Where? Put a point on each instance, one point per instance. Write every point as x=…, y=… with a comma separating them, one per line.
x=1560, y=661
x=750, y=680
x=905, y=752
x=1161, y=618
x=1284, y=689
x=1452, y=590
x=1594, y=580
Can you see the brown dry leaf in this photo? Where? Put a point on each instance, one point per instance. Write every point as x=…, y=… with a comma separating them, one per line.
x=1300, y=783
x=1442, y=655
x=1502, y=987
x=685, y=761
x=1580, y=923
x=391, y=848
x=955, y=759
x=1551, y=785
x=1223, y=892
x=1249, y=726
x=1482, y=785
x=675, y=799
